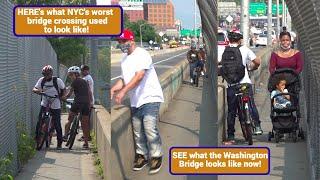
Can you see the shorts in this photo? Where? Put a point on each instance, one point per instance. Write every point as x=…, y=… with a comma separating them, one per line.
x=82, y=108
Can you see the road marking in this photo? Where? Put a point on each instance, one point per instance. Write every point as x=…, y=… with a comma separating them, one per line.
x=156, y=63
x=169, y=58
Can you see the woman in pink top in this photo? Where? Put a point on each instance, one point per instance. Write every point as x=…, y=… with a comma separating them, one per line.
x=286, y=57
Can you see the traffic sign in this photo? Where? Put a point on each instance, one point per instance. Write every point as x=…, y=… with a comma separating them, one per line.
x=229, y=19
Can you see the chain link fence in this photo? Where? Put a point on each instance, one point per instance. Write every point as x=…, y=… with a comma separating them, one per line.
x=21, y=61
x=306, y=20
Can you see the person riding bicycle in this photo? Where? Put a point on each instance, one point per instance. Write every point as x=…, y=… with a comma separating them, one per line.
x=81, y=104
x=248, y=57
x=193, y=59
x=51, y=86
x=202, y=56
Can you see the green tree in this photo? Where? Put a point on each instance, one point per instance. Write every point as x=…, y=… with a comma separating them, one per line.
x=147, y=30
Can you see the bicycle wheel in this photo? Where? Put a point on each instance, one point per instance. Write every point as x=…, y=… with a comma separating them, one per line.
x=197, y=78
x=43, y=133
x=73, y=132
x=49, y=137
x=248, y=127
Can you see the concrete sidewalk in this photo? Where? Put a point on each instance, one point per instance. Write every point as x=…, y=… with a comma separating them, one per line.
x=67, y=164
x=179, y=126
x=288, y=159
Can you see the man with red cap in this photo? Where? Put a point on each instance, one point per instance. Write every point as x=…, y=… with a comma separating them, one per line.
x=140, y=81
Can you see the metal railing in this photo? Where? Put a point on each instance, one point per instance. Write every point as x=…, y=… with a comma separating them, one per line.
x=21, y=61
x=306, y=20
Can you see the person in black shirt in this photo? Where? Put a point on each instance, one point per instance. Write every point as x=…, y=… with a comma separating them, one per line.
x=81, y=104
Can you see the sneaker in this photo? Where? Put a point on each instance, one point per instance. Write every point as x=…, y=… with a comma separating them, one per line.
x=65, y=138
x=85, y=146
x=230, y=137
x=258, y=130
x=82, y=138
x=155, y=166
x=139, y=162
x=191, y=81
x=59, y=147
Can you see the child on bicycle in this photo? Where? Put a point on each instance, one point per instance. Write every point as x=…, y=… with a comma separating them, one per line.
x=82, y=103
x=281, y=101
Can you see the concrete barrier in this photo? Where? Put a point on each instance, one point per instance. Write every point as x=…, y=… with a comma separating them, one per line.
x=101, y=125
x=116, y=56
x=122, y=146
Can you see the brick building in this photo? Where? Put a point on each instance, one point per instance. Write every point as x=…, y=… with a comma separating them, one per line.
x=159, y=13
x=133, y=8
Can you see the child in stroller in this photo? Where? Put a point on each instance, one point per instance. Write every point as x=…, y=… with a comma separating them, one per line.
x=284, y=86
x=281, y=101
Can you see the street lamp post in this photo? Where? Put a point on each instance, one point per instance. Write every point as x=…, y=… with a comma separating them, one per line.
x=141, y=34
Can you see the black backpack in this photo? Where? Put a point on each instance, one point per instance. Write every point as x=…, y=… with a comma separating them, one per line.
x=232, y=68
x=55, y=84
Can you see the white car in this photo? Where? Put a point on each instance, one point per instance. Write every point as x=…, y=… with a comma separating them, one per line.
x=262, y=40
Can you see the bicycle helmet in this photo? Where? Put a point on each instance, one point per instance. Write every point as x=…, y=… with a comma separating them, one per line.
x=47, y=69
x=74, y=69
x=235, y=36
x=193, y=46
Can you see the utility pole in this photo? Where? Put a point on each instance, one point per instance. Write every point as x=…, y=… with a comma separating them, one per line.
x=195, y=18
x=283, y=14
x=269, y=22
x=245, y=21
x=94, y=62
x=278, y=19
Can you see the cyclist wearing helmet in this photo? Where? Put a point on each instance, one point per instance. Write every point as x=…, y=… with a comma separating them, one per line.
x=202, y=55
x=193, y=59
x=248, y=57
x=81, y=104
x=52, y=86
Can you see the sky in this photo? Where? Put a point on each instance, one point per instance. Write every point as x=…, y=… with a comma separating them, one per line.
x=184, y=10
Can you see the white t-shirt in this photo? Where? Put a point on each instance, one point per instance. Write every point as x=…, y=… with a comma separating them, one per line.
x=89, y=80
x=50, y=90
x=247, y=56
x=149, y=89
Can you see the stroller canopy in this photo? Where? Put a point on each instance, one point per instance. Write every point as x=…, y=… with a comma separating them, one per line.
x=292, y=78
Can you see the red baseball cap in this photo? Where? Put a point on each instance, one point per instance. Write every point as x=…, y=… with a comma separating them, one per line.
x=126, y=35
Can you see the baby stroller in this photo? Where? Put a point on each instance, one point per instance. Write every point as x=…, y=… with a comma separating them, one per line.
x=285, y=120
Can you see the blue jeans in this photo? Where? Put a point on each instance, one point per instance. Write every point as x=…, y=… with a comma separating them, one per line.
x=233, y=108
x=192, y=66
x=145, y=131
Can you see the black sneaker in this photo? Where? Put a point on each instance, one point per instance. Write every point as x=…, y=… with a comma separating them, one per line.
x=139, y=162
x=85, y=146
x=59, y=147
x=258, y=130
x=155, y=166
x=65, y=138
x=230, y=137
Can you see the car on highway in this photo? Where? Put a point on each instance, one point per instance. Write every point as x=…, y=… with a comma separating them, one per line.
x=223, y=41
x=262, y=40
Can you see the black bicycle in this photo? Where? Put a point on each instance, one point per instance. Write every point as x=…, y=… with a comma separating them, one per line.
x=45, y=128
x=74, y=130
x=247, y=124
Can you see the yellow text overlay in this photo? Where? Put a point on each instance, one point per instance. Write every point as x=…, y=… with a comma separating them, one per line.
x=100, y=20
x=219, y=160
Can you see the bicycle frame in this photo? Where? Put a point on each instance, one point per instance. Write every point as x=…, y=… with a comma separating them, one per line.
x=45, y=123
